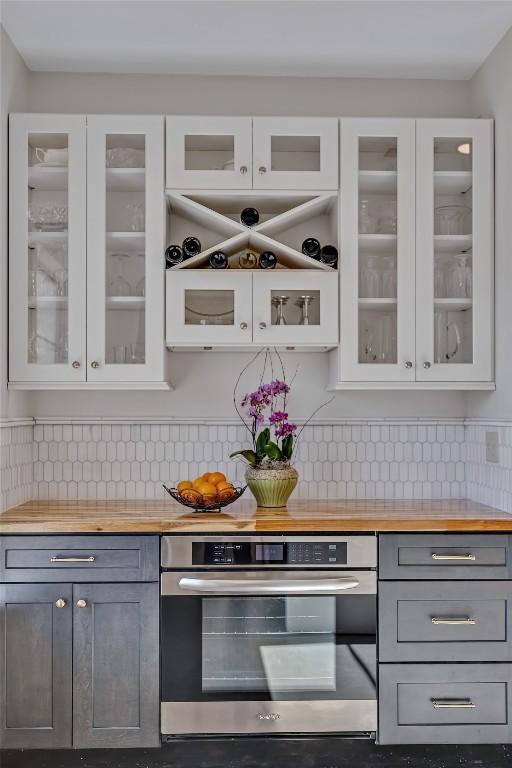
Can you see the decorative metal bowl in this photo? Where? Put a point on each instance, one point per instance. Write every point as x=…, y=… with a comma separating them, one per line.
x=215, y=506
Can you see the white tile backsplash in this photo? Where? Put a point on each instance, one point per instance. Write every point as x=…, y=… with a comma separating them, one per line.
x=353, y=459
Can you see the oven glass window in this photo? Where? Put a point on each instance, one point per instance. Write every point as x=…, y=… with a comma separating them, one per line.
x=278, y=645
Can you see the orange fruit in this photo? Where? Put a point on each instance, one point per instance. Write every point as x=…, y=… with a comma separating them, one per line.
x=207, y=489
x=191, y=495
x=216, y=477
x=183, y=485
x=224, y=484
x=197, y=482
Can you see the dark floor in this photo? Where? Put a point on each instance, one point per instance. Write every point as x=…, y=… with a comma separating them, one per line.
x=267, y=753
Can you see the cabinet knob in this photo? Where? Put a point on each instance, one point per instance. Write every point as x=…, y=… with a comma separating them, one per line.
x=427, y=364
x=262, y=169
x=95, y=364
x=60, y=603
x=262, y=325
x=76, y=364
x=243, y=169
x=408, y=363
x=243, y=326
x=81, y=603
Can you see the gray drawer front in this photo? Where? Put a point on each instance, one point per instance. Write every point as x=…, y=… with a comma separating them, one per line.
x=445, y=556
x=419, y=621
x=473, y=703
x=79, y=558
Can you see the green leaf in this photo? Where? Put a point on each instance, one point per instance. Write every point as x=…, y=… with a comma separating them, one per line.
x=287, y=447
x=262, y=440
x=273, y=451
x=248, y=455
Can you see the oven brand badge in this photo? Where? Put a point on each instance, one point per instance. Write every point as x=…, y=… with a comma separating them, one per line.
x=268, y=716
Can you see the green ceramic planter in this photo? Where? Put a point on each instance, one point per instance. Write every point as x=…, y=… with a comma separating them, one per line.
x=271, y=487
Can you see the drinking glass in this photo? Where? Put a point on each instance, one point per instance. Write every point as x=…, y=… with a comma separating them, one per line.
x=388, y=290
x=119, y=285
x=370, y=278
x=448, y=338
x=304, y=303
x=119, y=354
x=42, y=283
x=451, y=219
x=61, y=278
x=461, y=282
x=136, y=217
x=280, y=302
x=440, y=282
x=366, y=217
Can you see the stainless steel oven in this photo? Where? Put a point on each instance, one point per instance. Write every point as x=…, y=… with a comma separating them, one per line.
x=268, y=634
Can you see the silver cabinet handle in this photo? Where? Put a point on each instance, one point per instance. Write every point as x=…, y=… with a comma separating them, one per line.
x=453, y=704
x=60, y=603
x=56, y=559
x=264, y=586
x=95, y=364
x=468, y=556
x=408, y=363
x=262, y=325
x=243, y=326
x=243, y=169
x=76, y=364
x=427, y=364
x=81, y=603
x=453, y=622
x=262, y=169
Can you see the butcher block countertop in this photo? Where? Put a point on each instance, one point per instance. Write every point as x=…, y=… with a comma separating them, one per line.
x=301, y=515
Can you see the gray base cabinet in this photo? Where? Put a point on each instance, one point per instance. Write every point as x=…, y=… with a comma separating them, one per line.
x=115, y=666
x=79, y=662
x=35, y=666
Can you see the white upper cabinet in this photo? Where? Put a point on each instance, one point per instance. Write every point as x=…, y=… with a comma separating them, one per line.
x=377, y=250
x=47, y=248
x=125, y=244
x=245, y=153
x=295, y=153
x=209, y=152
x=454, y=245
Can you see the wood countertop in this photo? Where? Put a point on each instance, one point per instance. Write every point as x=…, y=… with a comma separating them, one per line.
x=302, y=515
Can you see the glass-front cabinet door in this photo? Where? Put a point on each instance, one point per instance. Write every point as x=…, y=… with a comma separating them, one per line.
x=295, y=152
x=377, y=248
x=296, y=307
x=454, y=250
x=47, y=253
x=125, y=245
x=208, y=308
x=208, y=152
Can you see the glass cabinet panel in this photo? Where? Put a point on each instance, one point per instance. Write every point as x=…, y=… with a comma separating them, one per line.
x=377, y=242
x=454, y=250
x=126, y=247
x=47, y=261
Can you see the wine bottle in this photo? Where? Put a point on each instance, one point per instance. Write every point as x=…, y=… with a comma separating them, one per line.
x=268, y=260
x=173, y=255
x=311, y=247
x=248, y=260
x=329, y=256
x=191, y=247
x=249, y=217
x=218, y=260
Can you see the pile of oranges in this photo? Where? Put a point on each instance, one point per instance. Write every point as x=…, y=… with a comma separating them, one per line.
x=210, y=488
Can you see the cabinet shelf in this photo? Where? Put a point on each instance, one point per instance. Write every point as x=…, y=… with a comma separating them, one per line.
x=47, y=238
x=47, y=178
x=453, y=243
x=48, y=302
x=452, y=182
x=378, y=182
x=453, y=304
x=377, y=243
x=125, y=179
x=127, y=241
x=125, y=302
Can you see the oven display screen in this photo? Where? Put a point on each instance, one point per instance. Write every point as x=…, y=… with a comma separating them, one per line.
x=309, y=553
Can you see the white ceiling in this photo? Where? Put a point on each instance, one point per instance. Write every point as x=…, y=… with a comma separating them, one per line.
x=324, y=38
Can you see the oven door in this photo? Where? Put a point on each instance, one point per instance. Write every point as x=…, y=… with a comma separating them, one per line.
x=268, y=651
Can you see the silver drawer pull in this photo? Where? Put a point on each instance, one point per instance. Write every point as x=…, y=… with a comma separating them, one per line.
x=469, y=556
x=89, y=559
x=453, y=704
x=454, y=621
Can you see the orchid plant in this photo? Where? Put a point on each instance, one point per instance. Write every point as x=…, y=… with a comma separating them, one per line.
x=266, y=417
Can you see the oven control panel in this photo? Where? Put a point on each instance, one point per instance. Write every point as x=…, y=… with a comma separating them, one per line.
x=303, y=553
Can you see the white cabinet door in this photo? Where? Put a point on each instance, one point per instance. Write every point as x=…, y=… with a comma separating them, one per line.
x=295, y=153
x=125, y=247
x=377, y=250
x=208, y=152
x=454, y=250
x=208, y=308
x=295, y=307
x=47, y=253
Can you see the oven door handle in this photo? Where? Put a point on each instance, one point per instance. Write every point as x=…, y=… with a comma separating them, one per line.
x=268, y=586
